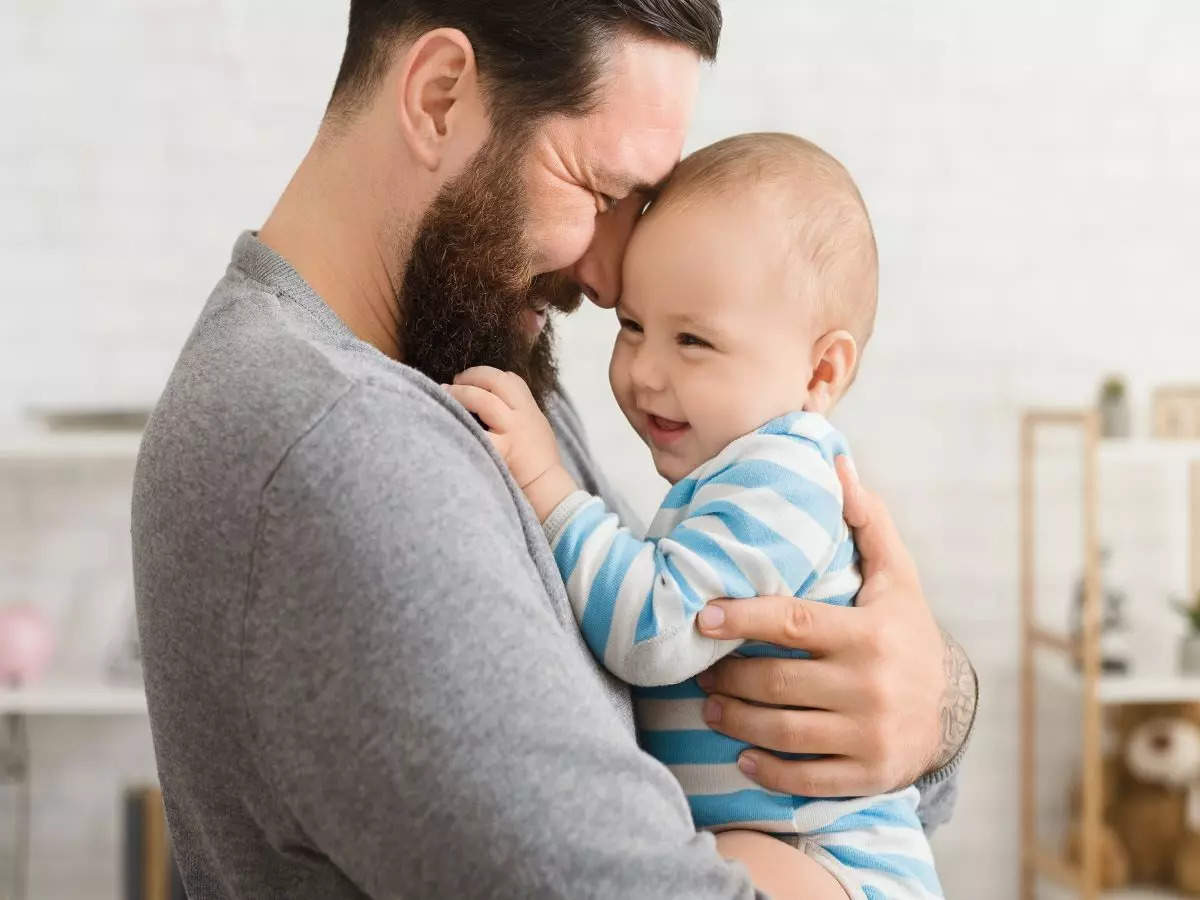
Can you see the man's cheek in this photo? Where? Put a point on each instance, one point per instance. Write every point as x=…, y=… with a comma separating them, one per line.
x=558, y=238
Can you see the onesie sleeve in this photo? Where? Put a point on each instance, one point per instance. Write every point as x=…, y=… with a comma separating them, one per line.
x=764, y=520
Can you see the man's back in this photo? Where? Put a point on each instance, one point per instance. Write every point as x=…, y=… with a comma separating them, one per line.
x=362, y=672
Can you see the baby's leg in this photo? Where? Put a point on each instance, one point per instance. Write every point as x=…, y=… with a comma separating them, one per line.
x=777, y=869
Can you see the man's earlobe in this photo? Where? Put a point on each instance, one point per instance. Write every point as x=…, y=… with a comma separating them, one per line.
x=438, y=81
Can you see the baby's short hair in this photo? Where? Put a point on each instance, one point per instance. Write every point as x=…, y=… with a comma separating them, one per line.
x=831, y=236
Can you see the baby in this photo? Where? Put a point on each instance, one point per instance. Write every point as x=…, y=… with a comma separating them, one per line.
x=750, y=288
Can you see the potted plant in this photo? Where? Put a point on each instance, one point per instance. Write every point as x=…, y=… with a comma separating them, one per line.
x=1114, y=408
x=1189, y=646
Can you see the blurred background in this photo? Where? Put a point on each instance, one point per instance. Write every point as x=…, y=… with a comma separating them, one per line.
x=1033, y=171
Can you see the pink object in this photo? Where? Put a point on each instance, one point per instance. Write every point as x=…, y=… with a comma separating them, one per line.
x=26, y=645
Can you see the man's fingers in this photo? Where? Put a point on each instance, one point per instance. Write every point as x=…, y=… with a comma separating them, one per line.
x=832, y=777
x=494, y=412
x=852, y=508
x=790, y=622
x=875, y=534
x=774, y=681
x=508, y=386
x=785, y=730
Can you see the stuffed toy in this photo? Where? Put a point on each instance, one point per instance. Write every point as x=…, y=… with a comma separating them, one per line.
x=1151, y=832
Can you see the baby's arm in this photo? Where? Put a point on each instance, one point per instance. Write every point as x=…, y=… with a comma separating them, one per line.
x=753, y=527
x=767, y=521
x=778, y=870
x=520, y=432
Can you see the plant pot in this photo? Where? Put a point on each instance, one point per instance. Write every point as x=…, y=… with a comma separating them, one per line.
x=1114, y=417
x=1189, y=655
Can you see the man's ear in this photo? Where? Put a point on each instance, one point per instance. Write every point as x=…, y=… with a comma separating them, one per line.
x=439, y=95
x=834, y=358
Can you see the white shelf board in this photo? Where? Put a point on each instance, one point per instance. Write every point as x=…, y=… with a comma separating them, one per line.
x=42, y=445
x=1132, y=688
x=1148, y=450
x=67, y=698
x=1149, y=689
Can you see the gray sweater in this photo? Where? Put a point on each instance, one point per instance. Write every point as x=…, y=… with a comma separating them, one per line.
x=363, y=674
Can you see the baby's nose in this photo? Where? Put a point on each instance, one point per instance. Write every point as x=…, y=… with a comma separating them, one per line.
x=646, y=373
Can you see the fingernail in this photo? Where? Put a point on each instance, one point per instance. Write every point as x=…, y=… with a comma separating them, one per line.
x=712, y=711
x=748, y=764
x=712, y=617
x=706, y=680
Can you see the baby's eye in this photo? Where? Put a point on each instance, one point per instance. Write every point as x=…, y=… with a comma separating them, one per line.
x=629, y=325
x=690, y=340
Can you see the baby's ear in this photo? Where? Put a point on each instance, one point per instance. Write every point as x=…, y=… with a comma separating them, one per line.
x=834, y=358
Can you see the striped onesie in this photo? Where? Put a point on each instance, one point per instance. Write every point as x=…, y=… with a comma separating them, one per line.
x=764, y=517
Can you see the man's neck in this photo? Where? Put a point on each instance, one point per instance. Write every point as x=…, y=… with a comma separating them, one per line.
x=330, y=225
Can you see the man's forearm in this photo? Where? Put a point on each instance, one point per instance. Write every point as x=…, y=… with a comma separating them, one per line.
x=961, y=696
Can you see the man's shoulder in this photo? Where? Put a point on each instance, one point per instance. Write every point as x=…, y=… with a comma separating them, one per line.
x=264, y=412
x=394, y=443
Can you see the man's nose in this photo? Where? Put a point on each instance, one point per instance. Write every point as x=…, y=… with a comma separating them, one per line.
x=599, y=269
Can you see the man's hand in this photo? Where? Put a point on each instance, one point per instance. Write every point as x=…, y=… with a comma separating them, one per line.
x=520, y=432
x=886, y=697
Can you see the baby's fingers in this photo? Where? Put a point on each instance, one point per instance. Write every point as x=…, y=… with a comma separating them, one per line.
x=494, y=412
x=508, y=386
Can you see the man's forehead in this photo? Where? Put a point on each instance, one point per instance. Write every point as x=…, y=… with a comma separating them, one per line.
x=637, y=130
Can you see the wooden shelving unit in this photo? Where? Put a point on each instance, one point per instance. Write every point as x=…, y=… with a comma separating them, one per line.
x=1039, y=860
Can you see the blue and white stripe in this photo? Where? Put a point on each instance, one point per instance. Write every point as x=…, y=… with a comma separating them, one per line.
x=875, y=847
x=764, y=517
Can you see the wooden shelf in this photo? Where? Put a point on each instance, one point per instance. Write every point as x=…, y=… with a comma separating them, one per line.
x=66, y=698
x=1060, y=880
x=1132, y=893
x=43, y=445
x=1148, y=450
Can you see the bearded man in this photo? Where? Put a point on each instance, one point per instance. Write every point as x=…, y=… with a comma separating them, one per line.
x=363, y=675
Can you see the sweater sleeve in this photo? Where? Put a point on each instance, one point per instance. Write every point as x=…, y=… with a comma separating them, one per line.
x=422, y=714
x=765, y=521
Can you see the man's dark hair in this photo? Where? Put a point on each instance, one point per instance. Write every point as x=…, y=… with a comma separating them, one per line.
x=535, y=57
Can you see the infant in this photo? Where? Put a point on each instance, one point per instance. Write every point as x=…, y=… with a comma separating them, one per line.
x=750, y=287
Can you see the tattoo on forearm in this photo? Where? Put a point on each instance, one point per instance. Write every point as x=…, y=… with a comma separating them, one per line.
x=958, y=702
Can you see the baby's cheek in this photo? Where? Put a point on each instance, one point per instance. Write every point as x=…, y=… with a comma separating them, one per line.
x=618, y=374
x=723, y=412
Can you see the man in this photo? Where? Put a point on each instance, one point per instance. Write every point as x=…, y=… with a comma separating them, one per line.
x=364, y=678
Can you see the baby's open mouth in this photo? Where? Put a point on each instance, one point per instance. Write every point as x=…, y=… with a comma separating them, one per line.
x=665, y=431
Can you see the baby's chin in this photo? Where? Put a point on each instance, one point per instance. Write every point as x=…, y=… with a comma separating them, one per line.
x=668, y=465
x=672, y=468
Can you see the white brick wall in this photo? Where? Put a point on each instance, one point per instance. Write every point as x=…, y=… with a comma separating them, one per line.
x=1030, y=169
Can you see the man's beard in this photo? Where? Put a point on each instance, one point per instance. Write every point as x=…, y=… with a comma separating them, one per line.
x=468, y=279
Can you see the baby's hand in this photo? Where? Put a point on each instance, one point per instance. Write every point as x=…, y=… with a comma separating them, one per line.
x=519, y=431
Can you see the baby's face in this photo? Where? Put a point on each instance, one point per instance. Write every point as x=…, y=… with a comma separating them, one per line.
x=713, y=342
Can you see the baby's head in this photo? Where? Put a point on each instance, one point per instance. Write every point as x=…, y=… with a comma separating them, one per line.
x=749, y=291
